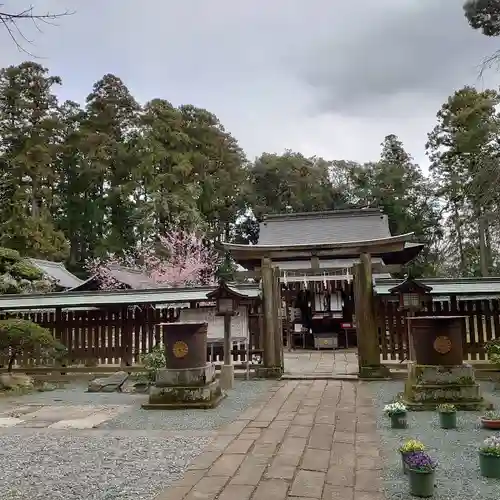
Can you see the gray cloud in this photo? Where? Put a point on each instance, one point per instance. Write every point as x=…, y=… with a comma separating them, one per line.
x=426, y=48
x=325, y=77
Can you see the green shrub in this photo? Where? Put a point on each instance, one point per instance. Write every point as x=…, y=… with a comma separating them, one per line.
x=9, y=285
x=493, y=351
x=154, y=360
x=24, y=270
x=9, y=255
x=20, y=336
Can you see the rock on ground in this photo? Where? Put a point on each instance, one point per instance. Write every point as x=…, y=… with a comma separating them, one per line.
x=113, y=383
x=10, y=381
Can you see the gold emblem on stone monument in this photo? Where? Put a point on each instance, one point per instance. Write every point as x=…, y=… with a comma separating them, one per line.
x=180, y=349
x=442, y=344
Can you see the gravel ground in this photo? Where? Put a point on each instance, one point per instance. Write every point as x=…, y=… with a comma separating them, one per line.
x=133, y=456
x=457, y=476
x=244, y=393
x=71, y=466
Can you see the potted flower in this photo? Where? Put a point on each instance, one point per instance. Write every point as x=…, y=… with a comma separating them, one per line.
x=421, y=469
x=411, y=446
x=491, y=420
x=489, y=457
x=447, y=416
x=397, y=413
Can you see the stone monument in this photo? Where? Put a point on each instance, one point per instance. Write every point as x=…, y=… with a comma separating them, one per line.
x=187, y=381
x=436, y=371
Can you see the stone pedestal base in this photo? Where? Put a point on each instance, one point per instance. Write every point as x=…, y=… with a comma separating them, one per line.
x=268, y=372
x=227, y=377
x=377, y=372
x=185, y=388
x=185, y=376
x=429, y=386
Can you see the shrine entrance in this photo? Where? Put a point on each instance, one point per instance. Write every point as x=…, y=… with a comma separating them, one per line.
x=294, y=344
x=316, y=273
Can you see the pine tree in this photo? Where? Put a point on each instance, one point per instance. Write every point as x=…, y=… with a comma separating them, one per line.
x=29, y=128
x=464, y=151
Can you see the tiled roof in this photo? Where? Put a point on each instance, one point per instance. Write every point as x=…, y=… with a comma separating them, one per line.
x=119, y=297
x=448, y=286
x=324, y=227
x=57, y=272
x=131, y=277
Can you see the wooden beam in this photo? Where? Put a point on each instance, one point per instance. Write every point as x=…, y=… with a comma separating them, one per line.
x=376, y=268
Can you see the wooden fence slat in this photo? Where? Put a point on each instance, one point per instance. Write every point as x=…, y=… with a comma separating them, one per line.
x=478, y=326
x=495, y=305
x=382, y=328
x=471, y=324
x=488, y=323
x=391, y=326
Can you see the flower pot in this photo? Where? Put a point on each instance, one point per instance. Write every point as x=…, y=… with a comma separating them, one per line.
x=403, y=462
x=490, y=424
x=421, y=483
x=448, y=420
x=398, y=421
x=489, y=465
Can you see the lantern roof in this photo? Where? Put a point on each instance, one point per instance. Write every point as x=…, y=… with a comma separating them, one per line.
x=225, y=291
x=410, y=285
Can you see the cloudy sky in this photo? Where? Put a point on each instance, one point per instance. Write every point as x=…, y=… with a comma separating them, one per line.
x=324, y=77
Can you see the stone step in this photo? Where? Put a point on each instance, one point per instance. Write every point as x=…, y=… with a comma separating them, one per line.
x=318, y=376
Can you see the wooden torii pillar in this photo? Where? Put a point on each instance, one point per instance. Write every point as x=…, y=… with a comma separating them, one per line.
x=366, y=322
x=272, y=356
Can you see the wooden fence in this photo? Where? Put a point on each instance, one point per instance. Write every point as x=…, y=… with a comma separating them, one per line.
x=113, y=337
x=482, y=324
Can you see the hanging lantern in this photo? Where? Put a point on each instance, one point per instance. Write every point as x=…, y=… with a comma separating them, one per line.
x=226, y=298
x=412, y=294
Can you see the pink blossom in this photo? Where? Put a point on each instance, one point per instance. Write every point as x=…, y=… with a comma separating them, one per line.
x=183, y=260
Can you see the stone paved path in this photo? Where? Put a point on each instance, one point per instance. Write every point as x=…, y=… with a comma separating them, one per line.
x=305, y=440
x=316, y=363
x=59, y=417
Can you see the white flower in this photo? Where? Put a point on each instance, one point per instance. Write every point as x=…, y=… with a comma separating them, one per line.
x=394, y=408
x=492, y=442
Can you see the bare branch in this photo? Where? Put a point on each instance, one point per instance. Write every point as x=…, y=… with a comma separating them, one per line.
x=12, y=21
x=489, y=62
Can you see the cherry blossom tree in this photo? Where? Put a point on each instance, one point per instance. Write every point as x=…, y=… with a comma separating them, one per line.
x=181, y=259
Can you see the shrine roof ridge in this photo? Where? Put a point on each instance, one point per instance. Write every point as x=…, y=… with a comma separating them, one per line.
x=342, y=212
x=400, y=238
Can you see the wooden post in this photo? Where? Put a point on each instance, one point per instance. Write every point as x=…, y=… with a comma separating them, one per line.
x=59, y=335
x=267, y=305
x=278, y=322
x=368, y=343
x=289, y=323
x=126, y=339
x=227, y=340
x=248, y=344
x=227, y=371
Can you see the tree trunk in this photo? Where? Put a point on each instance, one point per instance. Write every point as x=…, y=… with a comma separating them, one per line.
x=12, y=358
x=458, y=229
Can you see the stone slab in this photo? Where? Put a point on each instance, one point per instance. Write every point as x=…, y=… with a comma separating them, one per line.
x=202, y=405
x=90, y=422
x=57, y=413
x=429, y=386
x=185, y=395
x=480, y=405
x=201, y=376
x=10, y=421
x=448, y=375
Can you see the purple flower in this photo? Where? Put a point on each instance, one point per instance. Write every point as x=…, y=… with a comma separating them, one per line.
x=420, y=461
